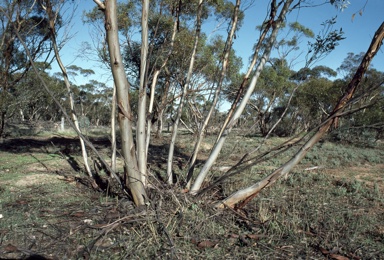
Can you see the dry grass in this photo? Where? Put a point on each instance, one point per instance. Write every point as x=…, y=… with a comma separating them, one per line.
x=48, y=208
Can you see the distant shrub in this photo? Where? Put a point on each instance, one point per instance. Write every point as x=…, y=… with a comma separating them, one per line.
x=84, y=122
x=361, y=137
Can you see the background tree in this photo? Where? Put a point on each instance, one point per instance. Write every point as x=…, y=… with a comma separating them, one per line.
x=25, y=18
x=30, y=103
x=366, y=125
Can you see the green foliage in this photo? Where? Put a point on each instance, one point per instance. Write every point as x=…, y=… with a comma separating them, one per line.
x=30, y=102
x=272, y=88
x=209, y=61
x=296, y=26
x=350, y=64
x=74, y=69
x=314, y=100
x=94, y=101
x=366, y=125
x=27, y=20
x=128, y=16
x=325, y=42
x=294, y=34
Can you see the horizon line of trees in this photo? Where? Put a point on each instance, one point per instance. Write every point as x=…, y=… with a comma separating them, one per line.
x=310, y=104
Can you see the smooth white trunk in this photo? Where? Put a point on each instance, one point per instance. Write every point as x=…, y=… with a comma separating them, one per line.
x=150, y=109
x=220, y=143
x=185, y=88
x=142, y=113
x=62, y=124
x=125, y=117
x=227, y=51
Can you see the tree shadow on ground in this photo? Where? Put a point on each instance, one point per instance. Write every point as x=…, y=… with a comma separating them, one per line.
x=157, y=159
x=68, y=148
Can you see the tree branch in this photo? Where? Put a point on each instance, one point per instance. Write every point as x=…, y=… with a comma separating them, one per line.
x=100, y=4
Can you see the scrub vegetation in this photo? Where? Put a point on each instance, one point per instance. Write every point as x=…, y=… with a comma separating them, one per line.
x=331, y=206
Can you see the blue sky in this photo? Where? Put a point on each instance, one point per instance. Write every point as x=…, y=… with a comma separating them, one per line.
x=358, y=33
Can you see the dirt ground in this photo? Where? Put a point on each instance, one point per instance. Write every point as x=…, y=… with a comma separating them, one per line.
x=50, y=210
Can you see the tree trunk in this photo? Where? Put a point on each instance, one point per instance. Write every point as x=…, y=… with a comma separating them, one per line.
x=2, y=122
x=52, y=16
x=161, y=108
x=62, y=125
x=113, y=130
x=132, y=174
x=142, y=112
x=150, y=108
x=226, y=51
x=185, y=88
x=160, y=123
x=247, y=194
x=163, y=102
x=219, y=144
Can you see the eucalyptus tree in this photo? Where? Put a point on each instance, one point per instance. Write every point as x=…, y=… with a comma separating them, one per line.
x=25, y=18
x=168, y=70
x=30, y=103
x=180, y=73
x=277, y=12
x=133, y=176
x=366, y=125
x=274, y=85
x=324, y=43
x=314, y=99
x=344, y=100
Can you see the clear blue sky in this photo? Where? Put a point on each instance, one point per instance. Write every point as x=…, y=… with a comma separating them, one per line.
x=358, y=32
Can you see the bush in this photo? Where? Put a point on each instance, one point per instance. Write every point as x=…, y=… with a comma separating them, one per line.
x=358, y=136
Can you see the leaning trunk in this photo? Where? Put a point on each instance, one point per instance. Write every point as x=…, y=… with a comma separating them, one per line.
x=52, y=18
x=227, y=51
x=220, y=142
x=247, y=194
